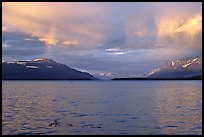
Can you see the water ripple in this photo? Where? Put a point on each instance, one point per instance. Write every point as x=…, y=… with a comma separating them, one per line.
x=136, y=107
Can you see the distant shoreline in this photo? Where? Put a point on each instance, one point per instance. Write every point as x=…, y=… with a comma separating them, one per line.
x=151, y=79
x=157, y=79
x=115, y=79
x=52, y=79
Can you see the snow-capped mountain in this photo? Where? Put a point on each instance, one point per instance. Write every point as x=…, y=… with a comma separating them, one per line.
x=183, y=68
x=40, y=68
x=103, y=75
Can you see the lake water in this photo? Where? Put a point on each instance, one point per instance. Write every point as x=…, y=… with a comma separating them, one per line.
x=102, y=107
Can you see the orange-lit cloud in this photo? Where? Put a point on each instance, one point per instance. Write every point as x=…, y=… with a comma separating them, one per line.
x=69, y=42
x=71, y=20
x=4, y=28
x=172, y=25
x=180, y=32
x=49, y=41
x=168, y=25
x=192, y=26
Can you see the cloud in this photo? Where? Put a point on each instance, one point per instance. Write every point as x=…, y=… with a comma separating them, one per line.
x=69, y=42
x=134, y=24
x=20, y=44
x=103, y=36
x=116, y=51
x=57, y=21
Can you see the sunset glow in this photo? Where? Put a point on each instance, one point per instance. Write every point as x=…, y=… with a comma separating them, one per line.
x=106, y=68
x=94, y=36
x=192, y=27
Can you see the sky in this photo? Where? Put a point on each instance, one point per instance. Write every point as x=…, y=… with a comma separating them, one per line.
x=121, y=39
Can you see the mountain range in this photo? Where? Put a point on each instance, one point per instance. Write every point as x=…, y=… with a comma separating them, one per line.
x=183, y=68
x=41, y=69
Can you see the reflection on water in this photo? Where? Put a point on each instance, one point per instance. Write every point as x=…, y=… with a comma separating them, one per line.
x=179, y=108
x=97, y=107
x=23, y=111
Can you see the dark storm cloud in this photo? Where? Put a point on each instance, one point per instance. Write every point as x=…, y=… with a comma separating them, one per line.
x=20, y=44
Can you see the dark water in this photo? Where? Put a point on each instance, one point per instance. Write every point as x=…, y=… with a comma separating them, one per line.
x=102, y=107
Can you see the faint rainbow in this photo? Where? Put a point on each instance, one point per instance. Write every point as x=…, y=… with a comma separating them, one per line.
x=49, y=39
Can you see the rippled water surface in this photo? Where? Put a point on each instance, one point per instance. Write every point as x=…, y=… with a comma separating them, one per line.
x=102, y=107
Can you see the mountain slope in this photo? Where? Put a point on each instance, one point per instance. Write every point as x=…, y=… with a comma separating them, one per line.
x=41, y=68
x=184, y=68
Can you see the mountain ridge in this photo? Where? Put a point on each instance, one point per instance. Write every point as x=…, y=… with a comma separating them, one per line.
x=183, y=68
x=41, y=69
x=189, y=68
